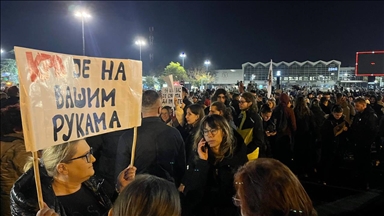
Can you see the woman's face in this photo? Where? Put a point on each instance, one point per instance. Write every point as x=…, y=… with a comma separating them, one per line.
x=213, y=136
x=244, y=104
x=80, y=168
x=213, y=110
x=266, y=116
x=337, y=115
x=164, y=115
x=191, y=117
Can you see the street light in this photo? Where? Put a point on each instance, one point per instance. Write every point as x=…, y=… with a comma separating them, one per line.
x=83, y=15
x=278, y=74
x=140, y=43
x=207, y=63
x=2, y=50
x=183, y=55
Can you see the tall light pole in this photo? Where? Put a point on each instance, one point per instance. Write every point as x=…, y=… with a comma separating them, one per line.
x=278, y=74
x=83, y=15
x=207, y=63
x=183, y=55
x=140, y=43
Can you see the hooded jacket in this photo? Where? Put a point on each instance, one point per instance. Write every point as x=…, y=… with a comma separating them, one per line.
x=24, y=198
x=13, y=158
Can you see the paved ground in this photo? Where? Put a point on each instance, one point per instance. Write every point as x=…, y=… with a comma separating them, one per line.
x=342, y=197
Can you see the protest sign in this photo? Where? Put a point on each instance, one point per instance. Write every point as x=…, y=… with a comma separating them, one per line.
x=169, y=93
x=65, y=97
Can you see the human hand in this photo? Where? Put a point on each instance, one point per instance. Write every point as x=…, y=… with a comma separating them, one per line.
x=202, y=150
x=345, y=128
x=181, y=188
x=46, y=211
x=125, y=177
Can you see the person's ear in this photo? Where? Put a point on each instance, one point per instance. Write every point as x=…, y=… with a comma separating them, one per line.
x=62, y=169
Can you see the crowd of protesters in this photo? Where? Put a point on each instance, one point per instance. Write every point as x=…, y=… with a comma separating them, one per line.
x=220, y=152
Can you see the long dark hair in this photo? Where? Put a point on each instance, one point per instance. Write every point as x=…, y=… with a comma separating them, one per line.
x=248, y=97
x=228, y=142
x=301, y=109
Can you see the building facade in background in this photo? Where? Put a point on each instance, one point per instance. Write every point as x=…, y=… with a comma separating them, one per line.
x=316, y=74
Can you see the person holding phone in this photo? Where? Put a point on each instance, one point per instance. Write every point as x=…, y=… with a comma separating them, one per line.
x=208, y=182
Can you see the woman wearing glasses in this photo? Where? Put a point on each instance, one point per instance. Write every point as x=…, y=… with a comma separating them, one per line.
x=67, y=181
x=208, y=185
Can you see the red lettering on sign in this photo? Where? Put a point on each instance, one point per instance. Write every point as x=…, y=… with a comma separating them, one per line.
x=44, y=62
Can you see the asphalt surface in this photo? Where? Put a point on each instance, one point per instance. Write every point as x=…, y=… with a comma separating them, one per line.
x=343, y=196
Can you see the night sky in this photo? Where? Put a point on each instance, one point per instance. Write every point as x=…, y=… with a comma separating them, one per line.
x=226, y=33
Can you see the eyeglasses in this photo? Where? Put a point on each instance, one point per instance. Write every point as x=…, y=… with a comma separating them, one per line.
x=212, y=131
x=241, y=102
x=87, y=156
x=236, y=201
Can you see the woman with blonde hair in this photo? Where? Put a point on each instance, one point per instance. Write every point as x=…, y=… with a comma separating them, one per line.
x=69, y=186
x=207, y=185
x=268, y=187
x=148, y=195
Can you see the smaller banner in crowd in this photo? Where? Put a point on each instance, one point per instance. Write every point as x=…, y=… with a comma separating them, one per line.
x=169, y=93
x=65, y=97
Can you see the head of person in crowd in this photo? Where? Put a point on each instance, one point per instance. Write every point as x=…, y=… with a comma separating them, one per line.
x=285, y=100
x=315, y=103
x=195, y=99
x=253, y=92
x=219, y=108
x=248, y=102
x=324, y=101
x=13, y=91
x=327, y=95
x=220, y=95
x=184, y=92
x=150, y=104
x=372, y=99
x=236, y=96
x=195, y=112
x=337, y=112
x=271, y=103
x=301, y=108
x=11, y=120
x=268, y=187
x=360, y=104
x=351, y=99
x=310, y=95
x=68, y=164
x=218, y=134
x=166, y=114
x=266, y=112
x=147, y=195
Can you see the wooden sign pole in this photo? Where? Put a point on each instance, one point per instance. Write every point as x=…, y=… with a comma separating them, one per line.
x=37, y=179
x=133, y=146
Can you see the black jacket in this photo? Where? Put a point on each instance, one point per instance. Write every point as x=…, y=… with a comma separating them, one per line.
x=160, y=150
x=209, y=186
x=253, y=120
x=330, y=142
x=24, y=198
x=364, y=128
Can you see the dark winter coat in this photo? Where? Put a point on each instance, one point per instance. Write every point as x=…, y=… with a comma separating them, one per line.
x=209, y=186
x=364, y=128
x=160, y=150
x=24, y=198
